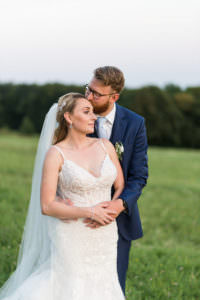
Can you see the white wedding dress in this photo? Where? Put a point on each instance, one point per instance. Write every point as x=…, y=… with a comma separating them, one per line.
x=83, y=261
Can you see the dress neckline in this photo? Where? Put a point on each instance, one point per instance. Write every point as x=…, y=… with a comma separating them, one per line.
x=82, y=168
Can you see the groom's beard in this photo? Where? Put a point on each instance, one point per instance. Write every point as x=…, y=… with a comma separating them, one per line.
x=98, y=109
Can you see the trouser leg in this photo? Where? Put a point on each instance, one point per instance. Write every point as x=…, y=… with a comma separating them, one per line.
x=123, y=250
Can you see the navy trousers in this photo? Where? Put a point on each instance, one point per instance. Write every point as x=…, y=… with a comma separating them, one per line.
x=123, y=249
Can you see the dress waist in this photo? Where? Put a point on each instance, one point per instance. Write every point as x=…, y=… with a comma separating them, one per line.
x=86, y=198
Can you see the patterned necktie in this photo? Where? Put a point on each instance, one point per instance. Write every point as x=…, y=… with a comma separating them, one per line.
x=101, y=132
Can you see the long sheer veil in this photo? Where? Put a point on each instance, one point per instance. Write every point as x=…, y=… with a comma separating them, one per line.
x=34, y=250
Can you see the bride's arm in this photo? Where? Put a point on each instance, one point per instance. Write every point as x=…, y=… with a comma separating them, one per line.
x=50, y=207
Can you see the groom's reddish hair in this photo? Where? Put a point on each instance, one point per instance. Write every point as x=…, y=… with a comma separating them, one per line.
x=110, y=76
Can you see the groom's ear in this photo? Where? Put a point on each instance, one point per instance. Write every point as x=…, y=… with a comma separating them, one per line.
x=115, y=97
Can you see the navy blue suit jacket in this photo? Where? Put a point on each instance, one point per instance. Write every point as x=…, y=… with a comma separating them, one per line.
x=129, y=128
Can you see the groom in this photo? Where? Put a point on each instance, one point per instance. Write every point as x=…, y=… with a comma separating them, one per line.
x=126, y=130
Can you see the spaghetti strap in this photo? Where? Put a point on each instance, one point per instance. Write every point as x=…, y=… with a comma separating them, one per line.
x=102, y=144
x=60, y=151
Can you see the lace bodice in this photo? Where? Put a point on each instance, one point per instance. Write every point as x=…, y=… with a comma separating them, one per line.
x=81, y=186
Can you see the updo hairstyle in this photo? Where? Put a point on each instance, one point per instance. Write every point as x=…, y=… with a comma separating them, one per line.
x=66, y=103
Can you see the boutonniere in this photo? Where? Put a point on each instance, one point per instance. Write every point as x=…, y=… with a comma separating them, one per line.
x=119, y=148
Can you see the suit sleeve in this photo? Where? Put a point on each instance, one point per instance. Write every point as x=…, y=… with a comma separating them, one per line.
x=137, y=171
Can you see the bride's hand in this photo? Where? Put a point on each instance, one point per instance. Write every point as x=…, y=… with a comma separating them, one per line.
x=102, y=214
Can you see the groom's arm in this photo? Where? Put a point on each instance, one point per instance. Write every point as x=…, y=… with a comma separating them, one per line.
x=137, y=175
x=136, y=179
x=137, y=170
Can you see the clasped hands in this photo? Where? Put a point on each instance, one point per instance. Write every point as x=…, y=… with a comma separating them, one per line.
x=102, y=214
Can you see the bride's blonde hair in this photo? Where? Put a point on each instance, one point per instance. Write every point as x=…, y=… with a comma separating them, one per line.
x=66, y=103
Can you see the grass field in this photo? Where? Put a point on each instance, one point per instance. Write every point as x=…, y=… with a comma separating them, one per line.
x=165, y=263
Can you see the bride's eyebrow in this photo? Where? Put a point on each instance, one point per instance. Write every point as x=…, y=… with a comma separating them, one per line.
x=87, y=107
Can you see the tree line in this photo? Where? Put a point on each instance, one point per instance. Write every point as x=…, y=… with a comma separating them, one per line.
x=172, y=114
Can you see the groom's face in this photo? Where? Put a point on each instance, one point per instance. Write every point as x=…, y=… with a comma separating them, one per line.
x=100, y=96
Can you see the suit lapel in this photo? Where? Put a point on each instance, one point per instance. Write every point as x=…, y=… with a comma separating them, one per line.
x=119, y=126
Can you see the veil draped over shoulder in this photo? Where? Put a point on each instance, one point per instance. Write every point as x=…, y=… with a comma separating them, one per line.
x=34, y=250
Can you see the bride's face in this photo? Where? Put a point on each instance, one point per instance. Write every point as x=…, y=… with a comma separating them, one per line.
x=83, y=117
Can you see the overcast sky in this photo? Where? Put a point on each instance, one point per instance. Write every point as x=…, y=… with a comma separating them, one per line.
x=152, y=41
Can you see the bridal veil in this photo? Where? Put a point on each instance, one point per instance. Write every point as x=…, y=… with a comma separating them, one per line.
x=34, y=250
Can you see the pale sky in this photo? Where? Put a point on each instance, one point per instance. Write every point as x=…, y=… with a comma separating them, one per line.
x=151, y=41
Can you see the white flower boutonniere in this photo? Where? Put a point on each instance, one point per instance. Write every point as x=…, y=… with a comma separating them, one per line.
x=119, y=148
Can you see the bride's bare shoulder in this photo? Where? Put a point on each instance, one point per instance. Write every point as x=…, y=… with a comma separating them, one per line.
x=53, y=155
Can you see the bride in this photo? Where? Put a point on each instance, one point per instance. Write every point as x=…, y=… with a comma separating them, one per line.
x=61, y=259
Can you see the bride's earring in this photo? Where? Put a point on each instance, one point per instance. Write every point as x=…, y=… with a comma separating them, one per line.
x=70, y=126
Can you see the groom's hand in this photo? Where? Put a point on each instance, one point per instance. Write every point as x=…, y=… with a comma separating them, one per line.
x=116, y=205
x=66, y=202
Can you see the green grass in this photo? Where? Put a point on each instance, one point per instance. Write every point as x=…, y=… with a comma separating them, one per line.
x=165, y=263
